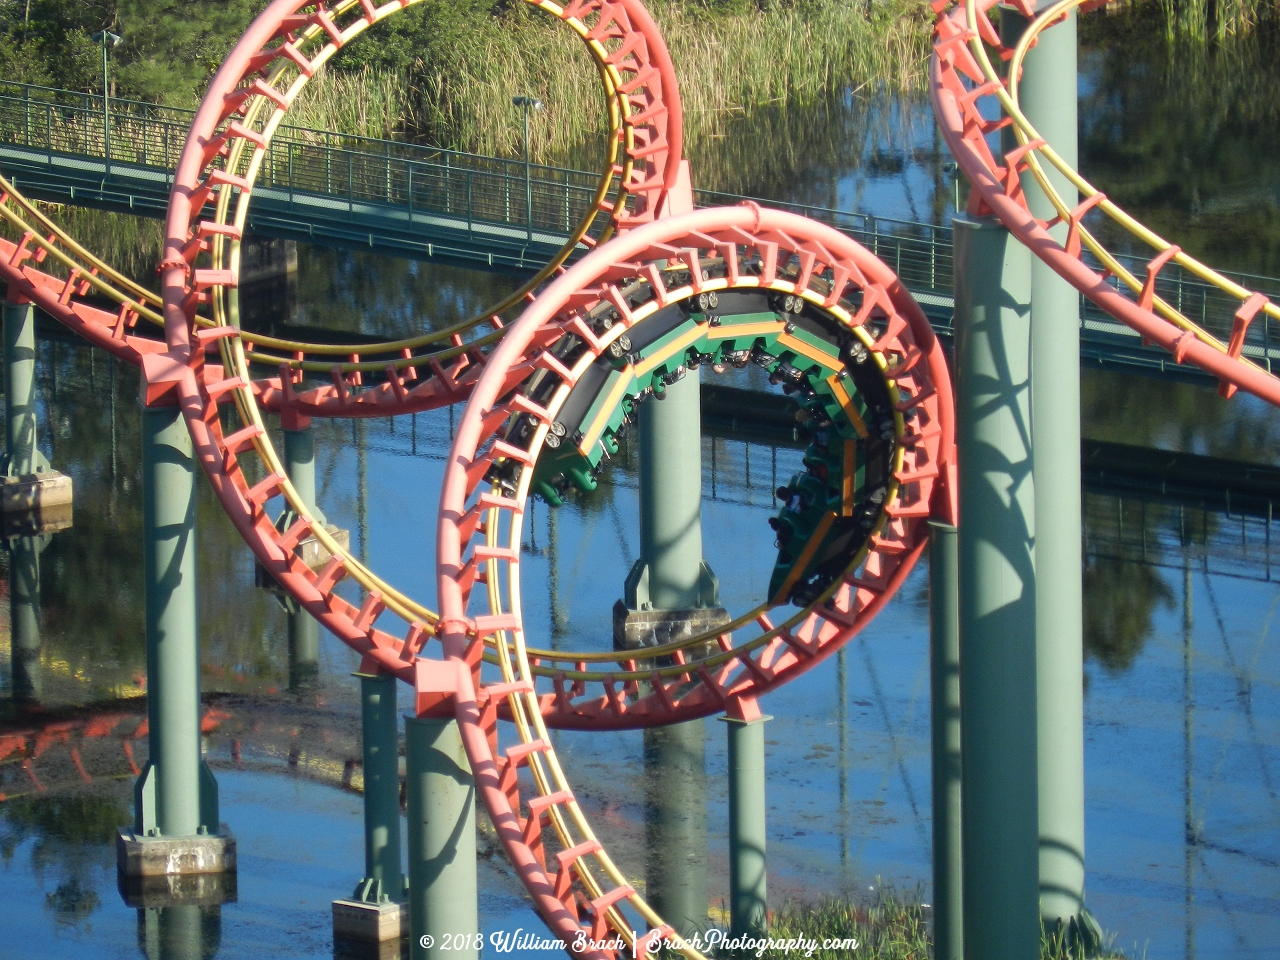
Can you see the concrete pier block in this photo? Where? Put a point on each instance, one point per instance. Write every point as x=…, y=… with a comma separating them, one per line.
x=312, y=553
x=35, y=503
x=140, y=856
x=370, y=922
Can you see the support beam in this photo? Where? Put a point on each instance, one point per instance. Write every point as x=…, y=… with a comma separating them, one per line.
x=23, y=458
x=944, y=669
x=671, y=574
x=374, y=911
x=669, y=594
x=997, y=593
x=1048, y=96
x=748, y=893
x=176, y=827
x=443, y=904
x=304, y=629
x=34, y=498
x=383, y=879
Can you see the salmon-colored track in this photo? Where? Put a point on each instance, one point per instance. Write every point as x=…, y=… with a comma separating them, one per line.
x=968, y=91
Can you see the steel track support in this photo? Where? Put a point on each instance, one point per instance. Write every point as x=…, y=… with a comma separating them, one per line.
x=748, y=893
x=33, y=497
x=671, y=593
x=671, y=574
x=304, y=630
x=1048, y=96
x=944, y=664
x=996, y=553
x=176, y=827
x=443, y=908
x=374, y=911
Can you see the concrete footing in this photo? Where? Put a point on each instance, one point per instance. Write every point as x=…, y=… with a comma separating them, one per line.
x=140, y=856
x=637, y=629
x=312, y=553
x=35, y=503
x=370, y=922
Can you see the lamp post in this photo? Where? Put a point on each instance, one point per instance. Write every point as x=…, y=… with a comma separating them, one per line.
x=527, y=103
x=108, y=40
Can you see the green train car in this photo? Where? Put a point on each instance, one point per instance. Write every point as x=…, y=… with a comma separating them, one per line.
x=828, y=510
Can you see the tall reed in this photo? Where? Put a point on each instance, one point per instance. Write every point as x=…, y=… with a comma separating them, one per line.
x=365, y=102
x=1205, y=19
x=726, y=62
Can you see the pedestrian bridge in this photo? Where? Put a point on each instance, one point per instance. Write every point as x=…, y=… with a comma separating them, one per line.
x=474, y=211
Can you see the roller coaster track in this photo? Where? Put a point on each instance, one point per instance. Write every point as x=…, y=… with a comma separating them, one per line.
x=964, y=84
x=829, y=311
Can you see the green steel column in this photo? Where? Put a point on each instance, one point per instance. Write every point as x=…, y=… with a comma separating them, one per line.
x=671, y=497
x=676, y=824
x=382, y=877
x=24, y=618
x=1048, y=96
x=442, y=841
x=22, y=457
x=175, y=796
x=747, y=819
x=944, y=663
x=997, y=594
x=304, y=630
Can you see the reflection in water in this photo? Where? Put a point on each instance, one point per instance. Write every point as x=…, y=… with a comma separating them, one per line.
x=1185, y=135
x=675, y=824
x=1118, y=617
x=180, y=932
x=1164, y=414
x=1188, y=766
x=71, y=835
x=92, y=643
x=24, y=618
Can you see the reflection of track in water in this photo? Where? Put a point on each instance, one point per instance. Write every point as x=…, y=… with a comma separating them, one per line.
x=965, y=85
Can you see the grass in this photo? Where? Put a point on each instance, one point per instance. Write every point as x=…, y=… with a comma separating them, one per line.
x=128, y=243
x=365, y=103
x=885, y=924
x=1218, y=19
x=726, y=62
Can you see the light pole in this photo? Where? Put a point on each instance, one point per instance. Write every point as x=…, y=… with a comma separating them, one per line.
x=527, y=103
x=108, y=40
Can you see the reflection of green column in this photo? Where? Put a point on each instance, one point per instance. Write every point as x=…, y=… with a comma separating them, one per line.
x=1188, y=761
x=176, y=795
x=304, y=630
x=997, y=594
x=1048, y=96
x=676, y=824
x=442, y=839
x=747, y=818
x=944, y=664
x=179, y=932
x=22, y=457
x=24, y=618
x=382, y=877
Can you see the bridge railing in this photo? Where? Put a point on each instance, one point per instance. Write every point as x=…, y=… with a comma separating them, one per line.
x=334, y=170
x=341, y=175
